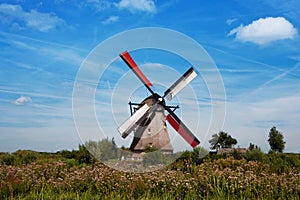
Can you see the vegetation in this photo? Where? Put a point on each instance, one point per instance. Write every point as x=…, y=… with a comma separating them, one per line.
x=222, y=140
x=103, y=150
x=66, y=175
x=196, y=174
x=276, y=140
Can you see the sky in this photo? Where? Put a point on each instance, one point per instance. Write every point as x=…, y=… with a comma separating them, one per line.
x=254, y=46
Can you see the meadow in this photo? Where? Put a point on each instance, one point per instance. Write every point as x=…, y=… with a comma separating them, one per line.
x=33, y=175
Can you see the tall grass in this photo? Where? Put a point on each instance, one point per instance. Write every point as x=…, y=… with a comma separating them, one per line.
x=224, y=178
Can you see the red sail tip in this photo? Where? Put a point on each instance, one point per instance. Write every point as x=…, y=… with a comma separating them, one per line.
x=195, y=143
x=183, y=131
x=130, y=62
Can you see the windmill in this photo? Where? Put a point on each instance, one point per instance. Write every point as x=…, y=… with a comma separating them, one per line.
x=148, y=121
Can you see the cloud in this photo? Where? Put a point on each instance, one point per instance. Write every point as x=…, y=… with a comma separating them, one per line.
x=110, y=20
x=231, y=21
x=97, y=5
x=265, y=30
x=137, y=5
x=15, y=15
x=22, y=100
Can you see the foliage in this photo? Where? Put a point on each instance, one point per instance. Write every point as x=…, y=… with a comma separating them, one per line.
x=84, y=156
x=253, y=147
x=103, y=150
x=154, y=158
x=214, y=156
x=7, y=159
x=25, y=156
x=254, y=154
x=236, y=154
x=212, y=179
x=150, y=149
x=222, y=140
x=198, y=154
x=195, y=156
x=195, y=175
x=68, y=154
x=29, y=158
x=276, y=140
x=91, y=151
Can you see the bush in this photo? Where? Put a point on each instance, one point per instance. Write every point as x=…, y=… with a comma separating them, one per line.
x=84, y=156
x=103, y=150
x=236, y=154
x=25, y=156
x=67, y=154
x=7, y=159
x=282, y=163
x=29, y=158
x=154, y=158
x=254, y=155
x=71, y=163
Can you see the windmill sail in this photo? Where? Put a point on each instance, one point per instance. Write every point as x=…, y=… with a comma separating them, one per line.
x=130, y=62
x=183, y=81
x=128, y=126
x=181, y=128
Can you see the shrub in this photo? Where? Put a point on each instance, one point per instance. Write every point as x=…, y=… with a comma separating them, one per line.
x=236, y=154
x=84, y=156
x=29, y=158
x=7, y=159
x=154, y=158
x=254, y=155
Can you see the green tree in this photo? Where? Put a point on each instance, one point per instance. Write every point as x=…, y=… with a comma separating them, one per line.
x=103, y=150
x=222, y=140
x=276, y=140
x=253, y=147
x=84, y=156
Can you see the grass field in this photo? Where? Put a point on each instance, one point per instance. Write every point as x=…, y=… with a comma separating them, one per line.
x=273, y=176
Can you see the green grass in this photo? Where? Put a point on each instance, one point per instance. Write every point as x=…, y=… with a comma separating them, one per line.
x=272, y=177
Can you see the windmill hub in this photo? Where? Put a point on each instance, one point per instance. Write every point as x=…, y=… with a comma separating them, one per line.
x=153, y=99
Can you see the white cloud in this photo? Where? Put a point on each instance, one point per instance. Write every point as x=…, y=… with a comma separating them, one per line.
x=22, y=100
x=97, y=5
x=15, y=15
x=265, y=30
x=110, y=20
x=137, y=5
x=231, y=21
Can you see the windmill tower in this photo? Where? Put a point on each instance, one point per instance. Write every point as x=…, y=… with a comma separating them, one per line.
x=152, y=130
x=148, y=120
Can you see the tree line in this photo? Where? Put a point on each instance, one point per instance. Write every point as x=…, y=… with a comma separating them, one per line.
x=224, y=140
x=107, y=149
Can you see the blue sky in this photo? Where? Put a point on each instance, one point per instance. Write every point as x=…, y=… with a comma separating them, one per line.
x=255, y=46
